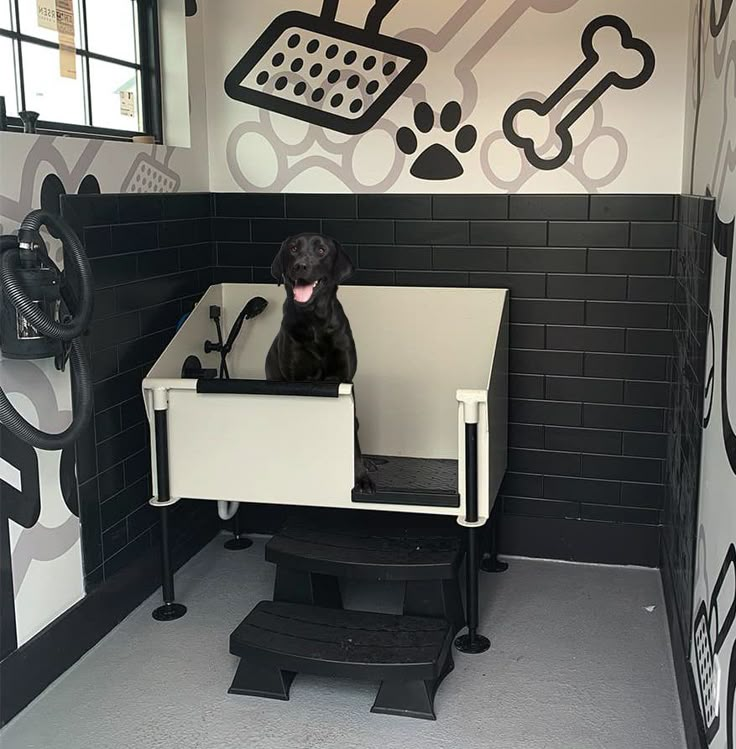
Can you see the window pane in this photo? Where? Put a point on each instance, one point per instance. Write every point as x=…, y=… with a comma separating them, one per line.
x=7, y=76
x=56, y=99
x=111, y=28
x=29, y=22
x=5, y=14
x=115, y=96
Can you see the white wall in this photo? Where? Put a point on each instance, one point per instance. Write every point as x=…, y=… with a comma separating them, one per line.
x=47, y=567
x=710, y=147
x=483, y=54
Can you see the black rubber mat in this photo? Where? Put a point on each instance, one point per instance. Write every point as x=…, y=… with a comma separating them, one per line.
x=412, y=481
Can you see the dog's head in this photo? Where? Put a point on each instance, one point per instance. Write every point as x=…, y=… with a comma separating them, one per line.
x=310, y=265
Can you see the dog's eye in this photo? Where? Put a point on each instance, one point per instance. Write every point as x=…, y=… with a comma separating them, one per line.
x=292, y=249
x=321, y=251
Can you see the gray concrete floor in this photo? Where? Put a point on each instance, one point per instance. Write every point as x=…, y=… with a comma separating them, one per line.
x=576, y=662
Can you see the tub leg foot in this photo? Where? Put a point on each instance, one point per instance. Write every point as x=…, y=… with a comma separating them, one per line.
x=237, y=542
x=472, y=642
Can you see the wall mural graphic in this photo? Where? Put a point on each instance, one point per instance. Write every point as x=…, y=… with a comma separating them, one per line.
x=346, y=80
x=711, y=628
x=37, y=541
x=20, y=501
x=44, y=154
x=712, y=171
x=436, y=161
x=718, y=19
x=333, y=75
x=47, y=566
x=710, y=366
x=575, y=165
x=724, y=246
x=148, y=173
x=600, y=77
x=41, y=487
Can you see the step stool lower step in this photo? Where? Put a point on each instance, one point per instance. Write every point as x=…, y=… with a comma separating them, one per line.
x=409, y=655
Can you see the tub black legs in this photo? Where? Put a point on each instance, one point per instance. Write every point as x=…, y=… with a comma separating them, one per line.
x=472, y=642
x=170, y=610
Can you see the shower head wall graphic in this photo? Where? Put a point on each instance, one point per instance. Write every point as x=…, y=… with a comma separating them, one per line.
x=711, y=628
x=316, y=69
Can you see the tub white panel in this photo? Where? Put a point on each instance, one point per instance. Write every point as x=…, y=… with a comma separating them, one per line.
x=287, y=450
x=416, y=347
x=497, y=411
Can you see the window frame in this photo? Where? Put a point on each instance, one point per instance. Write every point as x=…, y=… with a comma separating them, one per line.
x=148, y=67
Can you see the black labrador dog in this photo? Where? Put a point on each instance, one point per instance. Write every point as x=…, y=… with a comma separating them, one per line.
x=315, y=342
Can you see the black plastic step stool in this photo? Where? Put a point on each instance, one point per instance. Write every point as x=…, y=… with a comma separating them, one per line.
x=409, y=655
x=311, y=555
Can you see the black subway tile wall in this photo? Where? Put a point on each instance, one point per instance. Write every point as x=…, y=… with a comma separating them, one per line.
x=686, y=412
x=151, y=255
x=597, y=285
x=592, y=282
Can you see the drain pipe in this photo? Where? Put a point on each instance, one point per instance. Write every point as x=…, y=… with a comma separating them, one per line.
x=226, y=510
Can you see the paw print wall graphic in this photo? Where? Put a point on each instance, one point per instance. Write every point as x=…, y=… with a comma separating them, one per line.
x=436, y=161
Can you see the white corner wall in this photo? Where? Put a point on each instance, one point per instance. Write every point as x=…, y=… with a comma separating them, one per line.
x=710, y=168
x=46, y=558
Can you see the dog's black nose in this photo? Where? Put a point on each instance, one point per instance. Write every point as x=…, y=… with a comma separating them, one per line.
x=300, y=267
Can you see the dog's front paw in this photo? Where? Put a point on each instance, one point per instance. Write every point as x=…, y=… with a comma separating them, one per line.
x=364, y=484
x=370, y=465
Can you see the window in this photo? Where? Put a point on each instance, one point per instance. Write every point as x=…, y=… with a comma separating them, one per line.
x=88, y=67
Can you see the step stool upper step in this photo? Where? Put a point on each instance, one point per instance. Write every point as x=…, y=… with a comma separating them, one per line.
x=366, y=551
x=333, y=642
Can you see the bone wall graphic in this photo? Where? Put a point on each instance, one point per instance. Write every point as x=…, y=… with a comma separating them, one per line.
x=484, y=96
x=596, y=75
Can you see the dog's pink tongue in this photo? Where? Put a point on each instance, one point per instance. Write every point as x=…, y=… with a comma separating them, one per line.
x=303, y=292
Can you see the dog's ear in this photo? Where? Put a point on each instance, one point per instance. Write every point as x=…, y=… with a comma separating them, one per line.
x=343, y=264
x=277, y=266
